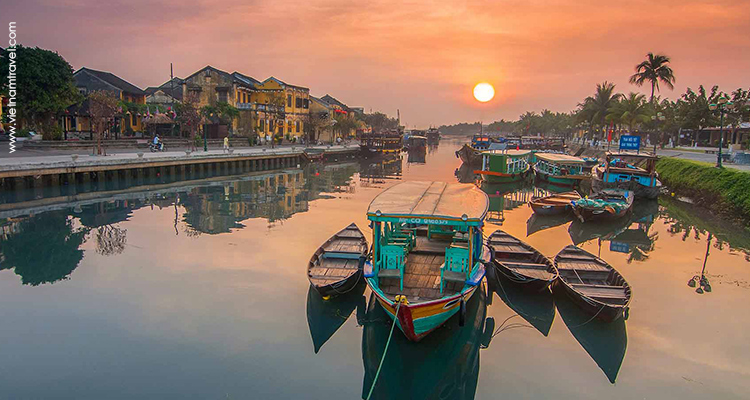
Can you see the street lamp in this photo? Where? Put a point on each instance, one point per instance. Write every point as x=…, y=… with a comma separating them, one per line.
x=661, y=118
x=723, y=105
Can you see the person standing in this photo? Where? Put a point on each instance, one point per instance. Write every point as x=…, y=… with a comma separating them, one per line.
x=226, y=144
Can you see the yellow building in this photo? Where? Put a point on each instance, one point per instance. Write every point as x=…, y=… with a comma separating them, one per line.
x=87, y=80
x=265, y=107
x=281, y=108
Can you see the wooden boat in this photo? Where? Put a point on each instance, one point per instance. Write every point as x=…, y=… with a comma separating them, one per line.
x=592, y=284
x=428, y=255
x=617, y=172
x=504, y=166
x=416, y=142
x=607, y=204
x=469, y=155
x=520, y=262
x=560, y=169
x=324, y=318
x=336, y=266
x=558, y=203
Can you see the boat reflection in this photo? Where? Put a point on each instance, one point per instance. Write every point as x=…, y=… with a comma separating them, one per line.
x=324, y=318
x=376, y=171
x=630, y=234
x=444, y=365
x=537, y=222
x=417, y=156
x=537, y=308
x=605, y=342
x=465, y=174
x=505, y=197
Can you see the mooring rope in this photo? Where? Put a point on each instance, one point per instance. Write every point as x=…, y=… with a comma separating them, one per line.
x=385, y=351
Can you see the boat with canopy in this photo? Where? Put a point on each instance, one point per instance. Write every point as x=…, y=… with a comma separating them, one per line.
x=629, y=171
x=561, y=169
x=504, y=166
x=428, y=254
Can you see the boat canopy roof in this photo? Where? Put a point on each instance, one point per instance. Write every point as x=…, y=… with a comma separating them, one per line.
x=437, y=203
x=510, y=153
x=559, y=158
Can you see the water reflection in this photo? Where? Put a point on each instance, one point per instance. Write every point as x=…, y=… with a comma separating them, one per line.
x=375, y=172
x=537, y=308
x=505, y=197
x=417, y=156
x=444, y=365
x=605, y=342
x=324, y=318
x=700, y=282
x=630, y=234
x=43, y=248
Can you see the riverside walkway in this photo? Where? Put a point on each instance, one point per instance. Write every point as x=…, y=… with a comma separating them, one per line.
x=60, y=169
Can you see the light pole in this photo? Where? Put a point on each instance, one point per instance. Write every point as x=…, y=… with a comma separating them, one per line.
x=659, y=117
x=723, y=105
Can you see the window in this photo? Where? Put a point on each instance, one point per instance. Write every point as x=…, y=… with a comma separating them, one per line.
x=298, y=102
x=289, y=100
x=289, y=126
x=306, y=103
x=297, y=124
x=133, y=119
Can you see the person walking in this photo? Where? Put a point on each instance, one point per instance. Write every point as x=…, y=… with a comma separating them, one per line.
x=226, y=144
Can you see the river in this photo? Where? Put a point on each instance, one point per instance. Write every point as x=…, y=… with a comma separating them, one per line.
x=198, y=290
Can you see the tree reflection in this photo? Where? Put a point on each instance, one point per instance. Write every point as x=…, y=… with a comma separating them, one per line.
x=44, y=248
x=110, y=240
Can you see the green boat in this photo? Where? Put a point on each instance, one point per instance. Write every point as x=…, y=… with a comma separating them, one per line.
x=504, y=166
x=560, y=169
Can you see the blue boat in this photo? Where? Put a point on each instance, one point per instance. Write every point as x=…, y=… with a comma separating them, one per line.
x=628, y=171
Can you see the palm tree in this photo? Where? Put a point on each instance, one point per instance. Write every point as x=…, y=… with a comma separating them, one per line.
x=655, y=69
x=595, y=108
x=631, y=110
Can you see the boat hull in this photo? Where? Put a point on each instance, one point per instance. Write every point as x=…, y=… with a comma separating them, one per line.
x=340, y=287
x=587, y=214
x=560, y=180
x=417, y=320
x=604, y=312
x=549, y=209
x=522, y=281
x=499, y=177
x=469, y=155
x=640, y=191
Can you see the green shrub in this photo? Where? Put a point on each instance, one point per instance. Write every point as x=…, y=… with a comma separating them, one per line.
x=23, y=132
x=52, y=132
x=725, y=189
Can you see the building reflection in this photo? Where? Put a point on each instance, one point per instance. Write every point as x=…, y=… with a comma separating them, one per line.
x=375, y=172
x=505, y=197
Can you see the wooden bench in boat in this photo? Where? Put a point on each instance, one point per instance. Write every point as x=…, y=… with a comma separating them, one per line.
x=514, y=249
x=516, y=264
x=604, y=293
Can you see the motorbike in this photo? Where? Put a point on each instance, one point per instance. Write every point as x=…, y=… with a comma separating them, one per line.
x=157, y=147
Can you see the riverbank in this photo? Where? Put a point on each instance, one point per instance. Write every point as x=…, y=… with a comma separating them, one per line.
x=725, y=190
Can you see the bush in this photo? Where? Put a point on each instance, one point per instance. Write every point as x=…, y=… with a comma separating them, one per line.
x=197, y=141
x=725, y=190
x=23, y=132
x=52, y=132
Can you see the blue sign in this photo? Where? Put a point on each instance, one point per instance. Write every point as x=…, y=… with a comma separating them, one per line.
x=630, y=142
x=619, y=247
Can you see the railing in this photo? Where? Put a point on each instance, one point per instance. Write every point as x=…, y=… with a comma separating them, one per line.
x=259, y=107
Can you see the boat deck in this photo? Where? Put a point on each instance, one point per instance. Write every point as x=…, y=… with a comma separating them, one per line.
x=421, y=279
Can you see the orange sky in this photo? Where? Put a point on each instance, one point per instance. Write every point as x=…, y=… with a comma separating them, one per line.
x=422, y=57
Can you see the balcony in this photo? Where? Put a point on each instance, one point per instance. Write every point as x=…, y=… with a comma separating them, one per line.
x=259, y=107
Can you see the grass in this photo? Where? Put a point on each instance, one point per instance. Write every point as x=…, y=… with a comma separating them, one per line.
x=724, y=190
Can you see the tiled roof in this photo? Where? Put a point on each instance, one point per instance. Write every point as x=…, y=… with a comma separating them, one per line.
x=113, y=80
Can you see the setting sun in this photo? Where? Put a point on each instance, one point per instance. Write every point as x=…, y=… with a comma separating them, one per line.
x=484, y=92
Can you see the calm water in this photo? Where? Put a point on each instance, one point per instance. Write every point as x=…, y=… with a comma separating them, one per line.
x=198, y=290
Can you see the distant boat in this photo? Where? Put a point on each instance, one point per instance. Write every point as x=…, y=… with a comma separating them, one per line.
x=324, y=318
x=504, y=166
x=592, y=284
x=520, y=262
x=337, y=264
x=559, y=203
x=607, y=204
x=560, y=169
x=617, y=172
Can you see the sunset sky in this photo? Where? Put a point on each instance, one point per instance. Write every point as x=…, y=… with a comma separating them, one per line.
x=422, y=57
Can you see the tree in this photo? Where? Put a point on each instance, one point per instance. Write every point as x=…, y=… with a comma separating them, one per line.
x=630, y=110
x=189, y=116
x=315, y=123
x=379, y=122
x=275, y=110
x=692, y=108
x=103, y=107
x=594, y=109
x=44, y=87
x=653, y=70
x=344, y=125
